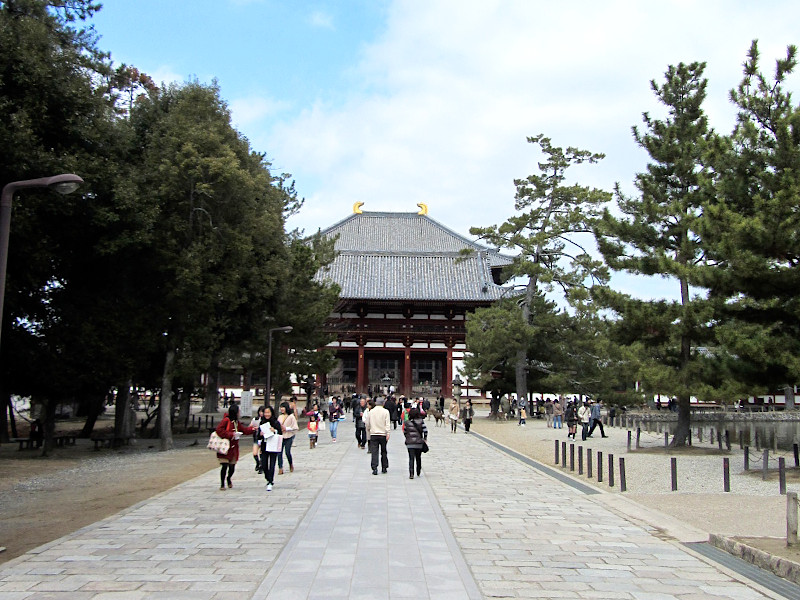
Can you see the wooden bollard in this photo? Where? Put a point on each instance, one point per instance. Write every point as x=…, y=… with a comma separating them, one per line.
x=666, y=440
x=719, y=440
x=726, y=475
x=589, y=463
x=700, y=434
x=791, y=519
x=610, y=470
x=727, y=440
x=556, y=445
x=796, y=450
x=599, y=467
x=572, y=457
x=564, y=454
x=673, y=467
x=638, y=436
x=765, y=465
x=747, y=458
x=623, y=487
x=580, y=460
x=629, y=440
x=782, y=475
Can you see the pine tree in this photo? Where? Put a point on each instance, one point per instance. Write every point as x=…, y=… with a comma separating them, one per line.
x=546, y=235
x=658, y=236
x=752, y=227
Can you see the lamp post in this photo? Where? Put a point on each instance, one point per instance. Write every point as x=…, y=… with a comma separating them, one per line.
x=63, y=184
x=285, y=329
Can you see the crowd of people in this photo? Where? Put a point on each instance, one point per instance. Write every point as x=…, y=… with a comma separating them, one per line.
x=375, y=419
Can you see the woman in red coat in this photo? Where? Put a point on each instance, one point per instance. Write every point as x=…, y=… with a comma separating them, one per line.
x=230, y=429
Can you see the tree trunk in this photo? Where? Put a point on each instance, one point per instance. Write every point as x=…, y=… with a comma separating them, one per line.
x=185, y=406
x=165, y=404
x=684, y=415
x=49, y=425
x=211, y=400
x=123, y=411
x=6, y=417
x=94, y=409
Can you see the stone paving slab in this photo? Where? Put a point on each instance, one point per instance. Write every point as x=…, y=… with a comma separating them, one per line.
x=477, y=523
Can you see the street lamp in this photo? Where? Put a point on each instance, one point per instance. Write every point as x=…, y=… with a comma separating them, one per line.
x=63, y=184
x=285, y=329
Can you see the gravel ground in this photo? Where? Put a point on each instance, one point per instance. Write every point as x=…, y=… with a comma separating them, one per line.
x=700, y=500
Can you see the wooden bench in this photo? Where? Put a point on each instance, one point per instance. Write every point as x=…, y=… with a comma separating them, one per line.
x=24, y=443
x=109, y=440
x=59, y=440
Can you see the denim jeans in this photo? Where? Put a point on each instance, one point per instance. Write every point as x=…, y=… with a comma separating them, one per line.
x=334, y=425
x=287, y=447
x=556, y=421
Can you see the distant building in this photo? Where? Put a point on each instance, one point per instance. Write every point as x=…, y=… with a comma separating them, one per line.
x=406, y=290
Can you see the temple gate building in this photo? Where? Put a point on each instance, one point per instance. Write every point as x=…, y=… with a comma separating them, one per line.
x=406, y=291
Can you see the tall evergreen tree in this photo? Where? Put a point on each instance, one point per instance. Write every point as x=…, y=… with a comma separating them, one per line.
x=658, y=236
x=751, y=228
x=547, y=236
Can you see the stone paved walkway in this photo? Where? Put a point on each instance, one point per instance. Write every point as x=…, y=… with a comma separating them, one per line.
x=478, y=523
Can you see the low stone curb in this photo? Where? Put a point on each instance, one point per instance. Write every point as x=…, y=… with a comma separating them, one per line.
x=782, y=567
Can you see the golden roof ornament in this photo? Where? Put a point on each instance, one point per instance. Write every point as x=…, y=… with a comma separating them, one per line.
x=423, y=208
x=357, y=208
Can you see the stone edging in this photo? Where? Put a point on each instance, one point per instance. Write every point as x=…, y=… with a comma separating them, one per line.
x=782, y=567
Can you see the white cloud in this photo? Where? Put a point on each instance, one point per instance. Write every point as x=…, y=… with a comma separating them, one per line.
x=321, y=20
x=166, y=74
x=443, y=101
x=254, y=109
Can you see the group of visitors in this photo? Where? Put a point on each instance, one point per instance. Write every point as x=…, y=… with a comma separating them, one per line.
x=273, y=434
x=588, y=413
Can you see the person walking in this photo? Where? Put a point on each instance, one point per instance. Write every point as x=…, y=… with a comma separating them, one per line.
x=571, y=414
x=416, y=434
x=335, y=413
x=314, y=419
x=584, y=413
x=558, y=413
x=256, y=445
x=466, y=415
x=271, y=435
x=548, y=412
x=358, y=419
x=391, y=406
x=230, y=429
x=289, y=425
x=596, y=419
x=522, y=406
x=378, y=428
x=453, y=415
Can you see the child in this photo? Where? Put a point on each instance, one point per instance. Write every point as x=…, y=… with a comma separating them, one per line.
x=313, y=425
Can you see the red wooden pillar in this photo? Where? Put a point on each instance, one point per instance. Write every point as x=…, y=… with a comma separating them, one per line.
x=361, y=372
x=447, y=386
x=405, y=386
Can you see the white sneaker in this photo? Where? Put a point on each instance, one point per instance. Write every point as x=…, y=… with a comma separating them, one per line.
x=269, y=487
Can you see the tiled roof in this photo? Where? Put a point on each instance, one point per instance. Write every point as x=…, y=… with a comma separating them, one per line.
x=389, y=276
x=407, y=256
x=403, y=232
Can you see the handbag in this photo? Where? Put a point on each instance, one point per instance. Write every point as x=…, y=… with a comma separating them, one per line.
x=218, y=444
x=321, y=425
x=425, y=446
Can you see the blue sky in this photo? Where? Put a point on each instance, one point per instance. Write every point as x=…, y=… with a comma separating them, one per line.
x=394, y=102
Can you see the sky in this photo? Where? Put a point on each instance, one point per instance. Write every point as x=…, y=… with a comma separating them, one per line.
x=395, y=102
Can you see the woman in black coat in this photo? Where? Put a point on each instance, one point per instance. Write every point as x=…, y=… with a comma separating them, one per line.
x=416, y=433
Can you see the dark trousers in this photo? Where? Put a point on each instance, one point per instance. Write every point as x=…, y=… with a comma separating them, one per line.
x=584, y=430
x=414, y=456
x=595, y=423
x=361, y=436
x=378, y=442
x=268, y=460
x=287, y=447
x=467, y=423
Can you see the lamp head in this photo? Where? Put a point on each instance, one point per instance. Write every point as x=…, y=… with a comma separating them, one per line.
x=64, y=184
